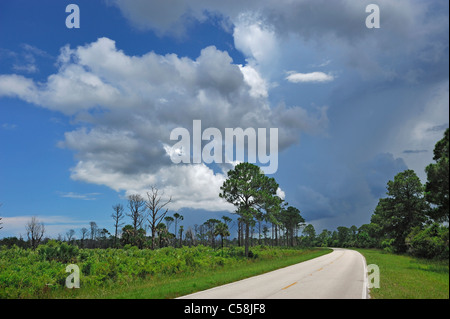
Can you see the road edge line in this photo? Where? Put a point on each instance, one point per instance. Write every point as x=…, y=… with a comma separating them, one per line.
x=365, y=292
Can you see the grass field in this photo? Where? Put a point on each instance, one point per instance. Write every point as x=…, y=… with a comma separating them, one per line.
x=406, y=277
x=133, y=273
x=169, y=272
x=181, y=284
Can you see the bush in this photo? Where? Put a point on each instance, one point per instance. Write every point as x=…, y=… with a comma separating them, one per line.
x=431, y=242
x=27, y=273
x=388, y=245
x=61, y=252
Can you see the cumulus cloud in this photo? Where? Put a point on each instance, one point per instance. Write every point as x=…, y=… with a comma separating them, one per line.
x=254, y=38
x=126, y=106
x=258, y=86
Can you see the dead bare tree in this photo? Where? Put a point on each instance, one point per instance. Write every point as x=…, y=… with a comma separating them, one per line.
x=70, y=235
x=157, y=210
x=35, y=231
x=117, y=217
x=84, y=233
x=137, y=206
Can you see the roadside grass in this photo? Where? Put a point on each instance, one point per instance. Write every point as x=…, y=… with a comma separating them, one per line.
x=168, y=287
x=406, y=277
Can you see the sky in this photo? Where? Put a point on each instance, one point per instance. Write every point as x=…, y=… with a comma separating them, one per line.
x=86, y=113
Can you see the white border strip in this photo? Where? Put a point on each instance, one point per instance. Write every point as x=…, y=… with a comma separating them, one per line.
x=365, y=294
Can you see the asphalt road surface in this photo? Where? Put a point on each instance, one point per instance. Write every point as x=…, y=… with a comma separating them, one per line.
x=340, y=274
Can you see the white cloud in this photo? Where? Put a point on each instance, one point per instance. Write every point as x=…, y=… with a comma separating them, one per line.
x=88, y=196
x=138, y=100
x=18, y=86
x=27, y=68
x=313, y=77
x=257, y=84
x=254, y=38
x=280, y=193
x=193, y=186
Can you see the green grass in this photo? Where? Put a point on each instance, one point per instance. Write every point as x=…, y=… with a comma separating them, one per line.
x=406, y=277
x=168, y=287
x=132, y=273
x=183, y=285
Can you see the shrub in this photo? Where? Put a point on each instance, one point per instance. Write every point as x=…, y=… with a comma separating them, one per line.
x=431, y=242
x=387, y=245
x=61, y=252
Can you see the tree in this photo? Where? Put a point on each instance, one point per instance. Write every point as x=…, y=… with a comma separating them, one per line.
x=274, y=216
x=190, y=236
x=70, y=235
x=103, y=233
x=404, y=209
x=227, y=221
x=169, y=220
x=35, y=231
x=265, y=232
x=127, y=235
x=431, y=242
x=324, y=238
x=365, y=237
x=250, y=191
x=137, y=207
x=221, y=230
x=310, y=235
x=210, y=226
x=117, y=216
x=291, y=220
x=181, y=235
x=84, y=232
x=157, y=210
x=93, y=231
x=343, y=236
x=162, y=232
x=437, y=186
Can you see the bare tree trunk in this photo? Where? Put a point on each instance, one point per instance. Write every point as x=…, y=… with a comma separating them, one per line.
x=136, y=204
x=117, y=217
x=247, y=237
x=35, y=231
x=157, y=210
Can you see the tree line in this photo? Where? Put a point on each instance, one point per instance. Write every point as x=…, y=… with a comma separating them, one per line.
x=412, y=218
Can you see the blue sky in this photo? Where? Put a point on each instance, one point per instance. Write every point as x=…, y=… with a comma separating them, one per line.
x=85, y=114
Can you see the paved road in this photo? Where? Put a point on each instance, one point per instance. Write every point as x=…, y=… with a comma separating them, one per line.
x=337, y=275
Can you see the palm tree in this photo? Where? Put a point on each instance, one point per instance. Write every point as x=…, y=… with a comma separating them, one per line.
x=161, y=230
x=221, y=229
x=181, y=235
x=177, y=217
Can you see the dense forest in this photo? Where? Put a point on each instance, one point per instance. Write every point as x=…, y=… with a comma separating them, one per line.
x=412, y=218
